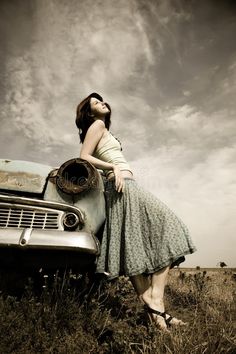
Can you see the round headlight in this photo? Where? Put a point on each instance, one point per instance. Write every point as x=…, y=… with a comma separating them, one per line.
x=70, y=221
x=76, y=175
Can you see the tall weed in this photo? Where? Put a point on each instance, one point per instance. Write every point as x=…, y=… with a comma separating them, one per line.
x=73, y=314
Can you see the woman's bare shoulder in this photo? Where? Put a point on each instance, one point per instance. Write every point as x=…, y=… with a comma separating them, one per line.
x=96, y=129
x=97, y=124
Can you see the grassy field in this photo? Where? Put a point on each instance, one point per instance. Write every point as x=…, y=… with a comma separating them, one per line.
x=109, y=318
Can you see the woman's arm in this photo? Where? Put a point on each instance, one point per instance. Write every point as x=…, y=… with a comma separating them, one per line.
x=91, y=140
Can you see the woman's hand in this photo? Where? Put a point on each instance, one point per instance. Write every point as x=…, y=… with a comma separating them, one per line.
x=119, y=179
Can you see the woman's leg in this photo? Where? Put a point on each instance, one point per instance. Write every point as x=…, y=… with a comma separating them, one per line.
x=141, y=283
x=154, y=295
x=150, y=289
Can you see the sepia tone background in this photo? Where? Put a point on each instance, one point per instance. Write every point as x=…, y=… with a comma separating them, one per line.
x=168, y=70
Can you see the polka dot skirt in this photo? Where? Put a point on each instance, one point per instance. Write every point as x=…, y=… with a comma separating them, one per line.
x=141, y=234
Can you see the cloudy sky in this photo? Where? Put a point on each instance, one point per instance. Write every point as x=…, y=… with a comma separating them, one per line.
x=168, y=70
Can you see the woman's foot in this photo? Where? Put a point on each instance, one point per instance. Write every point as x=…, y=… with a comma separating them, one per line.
x=169, y=320
x=173, y=321
x=158, y=317
x=155, y=309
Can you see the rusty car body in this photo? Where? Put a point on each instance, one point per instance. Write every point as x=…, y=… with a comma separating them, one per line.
x=50, y=217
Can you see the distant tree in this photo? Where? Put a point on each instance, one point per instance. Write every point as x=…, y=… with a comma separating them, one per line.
x=222, y=264
x=198, y=268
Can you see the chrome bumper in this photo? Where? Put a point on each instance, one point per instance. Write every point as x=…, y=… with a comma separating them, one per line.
x=79, y=241
x=32, y=249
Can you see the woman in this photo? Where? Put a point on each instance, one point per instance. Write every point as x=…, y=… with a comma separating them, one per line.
x=142, y=237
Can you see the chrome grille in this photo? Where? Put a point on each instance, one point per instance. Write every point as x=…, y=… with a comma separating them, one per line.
x=23, y=217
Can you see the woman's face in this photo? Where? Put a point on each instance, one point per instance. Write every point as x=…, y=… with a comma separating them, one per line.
x=98, y=108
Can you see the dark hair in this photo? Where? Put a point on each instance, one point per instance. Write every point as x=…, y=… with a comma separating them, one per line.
x=84, y=116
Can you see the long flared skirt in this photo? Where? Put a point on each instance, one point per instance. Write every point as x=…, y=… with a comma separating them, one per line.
x=141, y=234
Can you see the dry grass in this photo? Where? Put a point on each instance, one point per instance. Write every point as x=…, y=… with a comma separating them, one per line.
x=109, y=319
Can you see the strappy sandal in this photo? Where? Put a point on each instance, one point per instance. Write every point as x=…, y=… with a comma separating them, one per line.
x=175, y=321
x=168, y=318
x=151, y=311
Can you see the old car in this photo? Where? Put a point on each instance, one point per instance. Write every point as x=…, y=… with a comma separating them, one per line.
x=50, y=217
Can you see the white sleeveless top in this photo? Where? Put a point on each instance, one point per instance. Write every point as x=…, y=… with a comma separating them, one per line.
x=110, y=152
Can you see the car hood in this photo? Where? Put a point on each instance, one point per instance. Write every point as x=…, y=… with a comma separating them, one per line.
x=23, y=176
